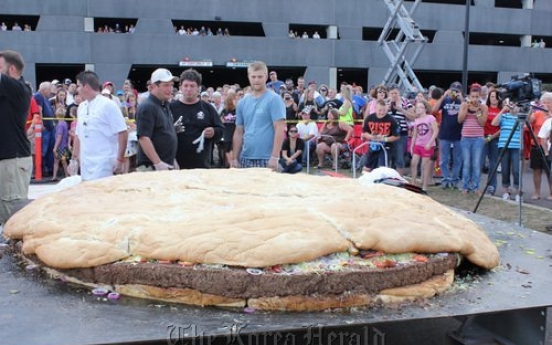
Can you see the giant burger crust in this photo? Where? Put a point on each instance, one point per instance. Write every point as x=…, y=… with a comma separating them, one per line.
x=249, y=218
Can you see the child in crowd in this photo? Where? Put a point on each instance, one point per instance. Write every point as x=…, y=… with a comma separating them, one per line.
x=132, y=147
x=61, y=150
x=423, y=142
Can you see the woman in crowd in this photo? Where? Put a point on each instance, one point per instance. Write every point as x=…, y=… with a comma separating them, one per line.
x=291, y=109
x=491, y=132
x=308, y=100
x=346, y=110
x=228, y=117
x=132, y=105
x=379, y=93
x=292, y=150
x=60, y=100
x=473, y=116
x=423, y=142
x=335, y=135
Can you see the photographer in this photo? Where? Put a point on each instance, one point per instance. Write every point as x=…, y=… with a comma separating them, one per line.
x=545, y=137
x=506, y=120
x=450, y=134
x=398, y=109
x=473, y=117
x=332, y=102
x=291, y=109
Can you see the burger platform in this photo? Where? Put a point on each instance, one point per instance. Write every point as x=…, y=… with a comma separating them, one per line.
x=507, y=306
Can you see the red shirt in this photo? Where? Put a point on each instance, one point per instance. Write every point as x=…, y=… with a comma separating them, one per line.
x=33, y=109
x=490, y=129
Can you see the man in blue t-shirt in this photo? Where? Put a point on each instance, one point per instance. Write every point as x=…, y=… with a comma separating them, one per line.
x=260, y=123
x=450, y=134
x=48, y=132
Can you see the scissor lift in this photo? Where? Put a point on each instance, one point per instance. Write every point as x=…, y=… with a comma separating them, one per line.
x=402, y=50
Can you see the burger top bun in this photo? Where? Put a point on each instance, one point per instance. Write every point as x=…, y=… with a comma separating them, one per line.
x=238, y=217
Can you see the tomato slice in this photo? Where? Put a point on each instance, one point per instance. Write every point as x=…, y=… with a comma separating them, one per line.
x=385, y=263
x=420, y=258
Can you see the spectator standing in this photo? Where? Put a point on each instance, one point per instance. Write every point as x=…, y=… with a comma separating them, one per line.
x=202, y=127
x=61, y=150
x=48, y=131
x=155, y=125
x=346, y=110
x=3, y=27
x=291, y=110
x=423, y=142
x=506, y=119
x=490, y=151
x=101, y=133
x=473, y=117
x=308, y=131
x=228, y=118
x=537, y=119
x=260, y=123
x=383, y=128
x=15, y=155
x=397, y=109
x=274, y=84
x=450, y=134
x=379, y=93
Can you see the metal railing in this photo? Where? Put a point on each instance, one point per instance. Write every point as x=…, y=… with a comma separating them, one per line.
x=361, y=146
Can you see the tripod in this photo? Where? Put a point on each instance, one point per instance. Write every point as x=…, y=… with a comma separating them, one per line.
x=521, y=120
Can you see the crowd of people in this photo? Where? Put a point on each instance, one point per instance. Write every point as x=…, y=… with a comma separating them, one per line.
x=203, y=31
x=117, y=29
x=15, y=27
x=98, y=130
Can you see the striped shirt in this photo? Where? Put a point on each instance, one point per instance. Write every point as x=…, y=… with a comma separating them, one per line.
x=507, y=122
x=471, y=128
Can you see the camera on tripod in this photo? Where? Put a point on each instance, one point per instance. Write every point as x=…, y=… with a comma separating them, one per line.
x=521, y=89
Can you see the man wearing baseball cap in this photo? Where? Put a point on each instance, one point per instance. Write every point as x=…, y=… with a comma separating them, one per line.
x=156, y=125
x=450, y=134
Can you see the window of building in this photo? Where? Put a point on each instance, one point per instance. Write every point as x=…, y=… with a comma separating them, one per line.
x=18, y=23
x=49, y=72
x=489, y=39
x=509, y=3
x=446, y=2
x=217, y=28
x=115, y=25
x=308, y=31
x=373, y=34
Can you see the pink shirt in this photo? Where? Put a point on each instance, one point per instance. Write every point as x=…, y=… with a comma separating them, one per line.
x=424, y=128
x=471, y=128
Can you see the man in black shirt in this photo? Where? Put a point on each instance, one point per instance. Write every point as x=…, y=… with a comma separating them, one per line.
x=201, y=124
x=155, y=125
x=15, y=152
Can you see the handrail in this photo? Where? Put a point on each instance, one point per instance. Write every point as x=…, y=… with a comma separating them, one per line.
x=364, y=144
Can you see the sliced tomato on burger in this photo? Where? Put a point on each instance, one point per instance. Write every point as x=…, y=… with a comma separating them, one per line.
x=385, y=263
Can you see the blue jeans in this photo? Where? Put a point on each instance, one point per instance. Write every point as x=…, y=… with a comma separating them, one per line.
x=399, y=149
x=472, y=150
x=491, y=151
x=48, y=142
x=510, y=163
x=446, y=153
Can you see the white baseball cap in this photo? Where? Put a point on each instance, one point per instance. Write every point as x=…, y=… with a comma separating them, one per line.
x=162, y=75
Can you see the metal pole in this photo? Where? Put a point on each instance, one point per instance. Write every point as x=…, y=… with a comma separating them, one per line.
x=466, y=45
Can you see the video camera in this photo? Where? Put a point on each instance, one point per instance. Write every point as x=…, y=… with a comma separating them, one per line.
x=521, y=89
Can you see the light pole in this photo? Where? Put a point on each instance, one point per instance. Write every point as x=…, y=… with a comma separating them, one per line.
x=466, y=45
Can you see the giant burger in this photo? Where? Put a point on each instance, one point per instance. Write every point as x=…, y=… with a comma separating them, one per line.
x=250, y=237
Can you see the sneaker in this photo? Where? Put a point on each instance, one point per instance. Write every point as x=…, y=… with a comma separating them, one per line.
x=518, y=197
x=490, y=190
x=506, y=196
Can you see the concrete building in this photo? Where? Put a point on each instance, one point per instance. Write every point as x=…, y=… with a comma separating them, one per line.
x=64, y=38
